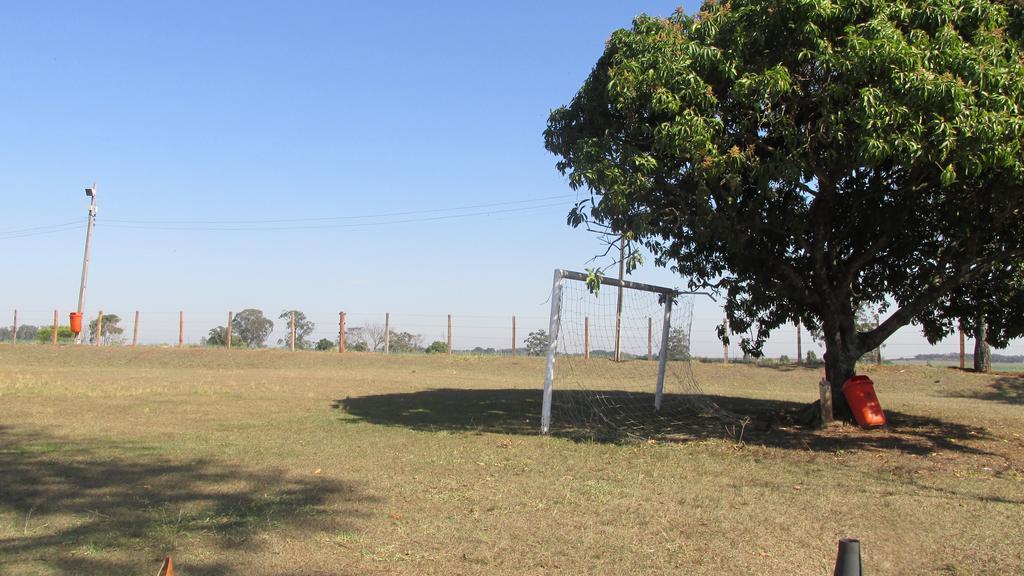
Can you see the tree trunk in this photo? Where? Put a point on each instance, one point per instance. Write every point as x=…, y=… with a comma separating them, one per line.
x=840, y=366
x=982, y=351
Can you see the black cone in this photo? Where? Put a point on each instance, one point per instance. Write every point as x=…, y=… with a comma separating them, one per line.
x=848, y=559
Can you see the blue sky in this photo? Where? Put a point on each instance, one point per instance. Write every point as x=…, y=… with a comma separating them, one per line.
x=228, y=111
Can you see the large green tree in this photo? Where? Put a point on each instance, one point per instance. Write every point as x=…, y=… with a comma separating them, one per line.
x=252, y=327
x=810, y=157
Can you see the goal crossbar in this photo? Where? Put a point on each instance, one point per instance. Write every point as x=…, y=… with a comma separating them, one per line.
x=570, y=275
x=560, y=277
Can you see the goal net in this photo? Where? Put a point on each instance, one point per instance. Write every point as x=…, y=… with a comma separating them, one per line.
x=619, y=363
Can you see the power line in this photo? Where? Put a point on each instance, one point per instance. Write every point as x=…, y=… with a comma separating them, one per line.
x=353, y=223
x=336, y=218
x=37, y=228
x=50, y=230
x=357, y=226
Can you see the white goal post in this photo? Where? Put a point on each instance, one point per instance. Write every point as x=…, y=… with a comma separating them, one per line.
x=560, y=277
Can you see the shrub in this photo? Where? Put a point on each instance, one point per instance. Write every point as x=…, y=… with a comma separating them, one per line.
x=64, y=334
x=437, y=347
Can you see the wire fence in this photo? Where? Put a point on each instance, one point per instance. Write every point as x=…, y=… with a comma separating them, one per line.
x=470, y=333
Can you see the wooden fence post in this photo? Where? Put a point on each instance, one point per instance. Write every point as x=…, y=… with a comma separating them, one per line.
x=725, y=347
x=449, y=334
x=341, y=332
x=650, y=331
x=879, y=356
x=799, y=346
x=291, y=331
x=513, y=335
x=135, y=330
x=56, y=327
x=586, y=337
x=825, y=393
x=181, y=329
x=962, y=346
x=99, y=329
x=387, y=333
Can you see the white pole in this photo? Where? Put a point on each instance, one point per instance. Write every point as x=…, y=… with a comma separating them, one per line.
x=663, y=360
x=549, y=373
x=85, y=260
x=618, y=302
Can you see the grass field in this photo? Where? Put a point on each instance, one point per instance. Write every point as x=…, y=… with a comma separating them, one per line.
x=265, y=462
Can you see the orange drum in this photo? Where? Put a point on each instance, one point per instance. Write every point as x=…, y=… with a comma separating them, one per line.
x=860, y=394
x=76, y=323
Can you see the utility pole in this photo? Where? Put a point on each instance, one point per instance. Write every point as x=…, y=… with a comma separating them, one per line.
x=91, y=193
x=618, y=302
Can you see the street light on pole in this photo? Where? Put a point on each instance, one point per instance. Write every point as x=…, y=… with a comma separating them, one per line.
x=91, y=193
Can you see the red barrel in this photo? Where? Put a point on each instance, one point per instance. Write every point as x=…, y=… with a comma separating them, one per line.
x=76, y=323
x=860, y=394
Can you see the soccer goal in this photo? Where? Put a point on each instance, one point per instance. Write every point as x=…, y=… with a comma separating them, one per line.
x=623, y=359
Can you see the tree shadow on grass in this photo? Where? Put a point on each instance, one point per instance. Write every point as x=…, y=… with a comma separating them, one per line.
x=79, y=510
x=1006, y=389
x=616, y=416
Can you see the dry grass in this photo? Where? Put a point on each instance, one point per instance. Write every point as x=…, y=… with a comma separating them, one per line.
x=264, y=462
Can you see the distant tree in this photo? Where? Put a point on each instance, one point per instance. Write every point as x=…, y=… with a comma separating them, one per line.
x=64, y=334
x=402, y=342
x=252, y=327
x=783, y=359
x=325, y=344
x=537, y=343
x=27, y=333
x=217, y=337
x=303, y=328
x=357, y=346
x=812, y=358
x=437, y=347
x=370, y=335
x=112, y=333
x=678, y=344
